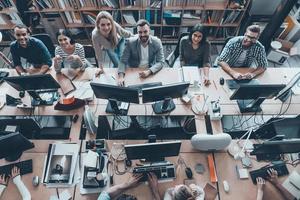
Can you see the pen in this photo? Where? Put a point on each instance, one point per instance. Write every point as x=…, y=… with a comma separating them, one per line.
x=57, y=193
x=113, y=77
x=215, y=85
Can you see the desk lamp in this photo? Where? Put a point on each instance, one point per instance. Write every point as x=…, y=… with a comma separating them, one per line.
x=234, y=148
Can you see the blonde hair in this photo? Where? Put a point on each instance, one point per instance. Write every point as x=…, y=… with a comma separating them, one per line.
x=112, y=37
x=184, y=193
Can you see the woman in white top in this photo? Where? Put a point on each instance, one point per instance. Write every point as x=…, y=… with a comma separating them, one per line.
x=108, y=36
x=68, y=54
x=15, y=174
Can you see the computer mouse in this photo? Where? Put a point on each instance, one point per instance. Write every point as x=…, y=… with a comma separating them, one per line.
x=226, y=186
x=35, y=181
x=189, y=173
x=21, y=94
x=222, y=81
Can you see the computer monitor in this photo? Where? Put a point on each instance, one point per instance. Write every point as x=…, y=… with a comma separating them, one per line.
x=153, y=152
x=26, y=126
x=12, y=146
x=270, y=149
x=249, y=97
x=115, y=95
x=35, y=85
x=286, y=92
x=164, y=95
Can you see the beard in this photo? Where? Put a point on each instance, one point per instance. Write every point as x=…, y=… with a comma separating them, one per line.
x=144, y=39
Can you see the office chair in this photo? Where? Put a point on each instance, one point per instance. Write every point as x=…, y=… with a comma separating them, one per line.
x=45, y=38
x=90, y=53
x=170, y=60
x=225, y=42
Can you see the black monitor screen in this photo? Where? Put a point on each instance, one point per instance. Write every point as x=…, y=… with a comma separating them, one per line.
x=104, y=91
x=33, y=82
x=161, y=92
x=256, y=91
x=12, y=144
x=152, y=151
x=277, y=147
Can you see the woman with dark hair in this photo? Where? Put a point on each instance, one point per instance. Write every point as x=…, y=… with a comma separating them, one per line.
x=68, y=54
x=194, y=50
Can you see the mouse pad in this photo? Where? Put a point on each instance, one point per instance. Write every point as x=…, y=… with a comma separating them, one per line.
x=234, y=84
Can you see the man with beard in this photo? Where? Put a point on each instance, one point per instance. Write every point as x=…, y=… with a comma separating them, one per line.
x=244, y=51
x=143, y=51
x=31, y=49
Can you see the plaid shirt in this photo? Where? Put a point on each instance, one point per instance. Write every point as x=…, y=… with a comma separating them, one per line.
x=256, y=53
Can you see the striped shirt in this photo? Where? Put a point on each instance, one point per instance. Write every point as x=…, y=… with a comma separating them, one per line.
x=256, y=55
x=79, y=51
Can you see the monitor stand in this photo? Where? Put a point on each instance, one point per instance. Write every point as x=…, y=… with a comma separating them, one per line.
x=165, y=106
x=38, y=101
x=115, y=107
x=252, y=105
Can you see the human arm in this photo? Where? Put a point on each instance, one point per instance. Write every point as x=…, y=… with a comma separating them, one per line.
x=16, y=59
x=116, y=190
x=123, y=62
x=273, y=178
x=153, y=183
x=81, y=59
x=123, y=32
x=181, y=50
x=160, y=58
x=15, y=173
x=3, y=183
x=45, y=56
x=260, y=188
x=206, y=63
x=98, y=49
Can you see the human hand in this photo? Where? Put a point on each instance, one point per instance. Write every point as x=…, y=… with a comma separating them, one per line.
x=57, y=59
x=73, y=57
x=237, y=75
x=15, y=171
x=134, y=180
x=273, y=176
x=3, y=179
x=206, y=81
x=260, y=183
x=153, y=183
x=99, y=71
x=121, y=81
x=144, y=74
x=248, y=76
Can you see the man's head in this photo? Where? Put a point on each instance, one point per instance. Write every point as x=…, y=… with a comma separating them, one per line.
x=21, y=33
x=143, y=29
x=251, y=36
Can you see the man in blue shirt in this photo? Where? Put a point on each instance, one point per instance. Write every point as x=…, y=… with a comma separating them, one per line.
x=244, y=51
x=32, y=49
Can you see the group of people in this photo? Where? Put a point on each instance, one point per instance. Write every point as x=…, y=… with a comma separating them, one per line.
x=142, y=50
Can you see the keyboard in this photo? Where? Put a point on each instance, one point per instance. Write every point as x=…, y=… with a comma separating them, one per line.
x=140, y=87
x=164, y=172
x=25, y=167
x=234, y=84
x=263, y=172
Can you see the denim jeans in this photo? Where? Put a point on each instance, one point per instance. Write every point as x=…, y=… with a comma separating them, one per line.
x=115, y=54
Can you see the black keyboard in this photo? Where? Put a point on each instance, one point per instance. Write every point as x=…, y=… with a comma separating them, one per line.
x=140, y=87
x=263, y=172
x=25, y=167
x=162, y=171
x=234, y=84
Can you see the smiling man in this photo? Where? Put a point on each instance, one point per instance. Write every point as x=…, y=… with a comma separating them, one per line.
x=244, y=51
x=31, y=49
x=143, y=51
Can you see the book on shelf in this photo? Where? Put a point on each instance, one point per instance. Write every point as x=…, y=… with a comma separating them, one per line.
x=6, y=4
x=60, y=165
x=129, y=18
x=89, y=17
x=10, y=18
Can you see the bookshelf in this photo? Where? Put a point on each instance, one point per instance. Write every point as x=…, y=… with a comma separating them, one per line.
x=168, y=17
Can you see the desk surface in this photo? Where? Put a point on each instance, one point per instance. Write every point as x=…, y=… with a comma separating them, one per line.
x=224, y=163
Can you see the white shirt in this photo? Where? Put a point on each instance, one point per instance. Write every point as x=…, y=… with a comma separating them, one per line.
x=144, y=56
x=21, y=187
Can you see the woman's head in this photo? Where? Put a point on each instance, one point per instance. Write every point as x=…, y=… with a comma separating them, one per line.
x=183, y=192
x=198, y=34
x=106, y=26
x=64, y=38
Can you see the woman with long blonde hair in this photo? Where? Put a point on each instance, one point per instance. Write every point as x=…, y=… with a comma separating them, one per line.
x=108, y=36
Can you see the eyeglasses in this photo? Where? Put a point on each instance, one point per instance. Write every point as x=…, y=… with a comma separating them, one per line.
x=253, y=39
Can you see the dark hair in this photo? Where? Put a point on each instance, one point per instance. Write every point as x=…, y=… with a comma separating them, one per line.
x=254, y=28
x=201, y=29
x=126, y=197
x=22, y=26
x=67, y=33
x=142, y=22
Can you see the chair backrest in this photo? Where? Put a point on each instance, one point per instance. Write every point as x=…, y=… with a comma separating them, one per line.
x=174, y=55
x=45, y=38
x=90, y=53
